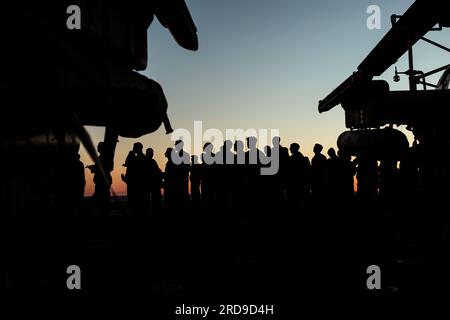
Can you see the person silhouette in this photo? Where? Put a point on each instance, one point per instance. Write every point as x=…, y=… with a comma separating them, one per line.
x=208, y=176
x=334, y=176
x=80, y=178
x=170, y=181
x=154, y=181
x=135, y=177
x=269, y=184
x=298, y=187
x=239, y=153
x=253, y=154
x=238, y=176
x=367, y=180
x=181, y=159
x=102, y=194
x=179, y=155
x=253, y=166
x=224, y=170
x=332, y=155
x=280, y=178
x=319, y=177
x=195, y=179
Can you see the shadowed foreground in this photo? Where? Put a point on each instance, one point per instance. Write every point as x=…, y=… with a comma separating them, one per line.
x=226, y=257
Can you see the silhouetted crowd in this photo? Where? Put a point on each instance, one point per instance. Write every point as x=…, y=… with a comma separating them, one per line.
x=236, y=184
x=230, y=180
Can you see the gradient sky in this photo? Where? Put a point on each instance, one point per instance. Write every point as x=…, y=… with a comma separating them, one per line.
x=265, y=64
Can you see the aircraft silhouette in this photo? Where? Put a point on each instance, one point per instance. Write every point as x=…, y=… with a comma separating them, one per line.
x=60, y=80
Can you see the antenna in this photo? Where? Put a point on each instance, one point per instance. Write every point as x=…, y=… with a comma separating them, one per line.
x=396, y=76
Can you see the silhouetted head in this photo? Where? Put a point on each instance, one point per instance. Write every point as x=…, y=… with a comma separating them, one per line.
x=317, y=148
x=251, y=142
x=208, y=147
x=168, y=153
x=276, y=141
x=331, y=153
x=294, y=148
x=71, y=150
x=138, y=147
x=101, y=147
x=149, y=153
x=179, y=144
x=238, y=146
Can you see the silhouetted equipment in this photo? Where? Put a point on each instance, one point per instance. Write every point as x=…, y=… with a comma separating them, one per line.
x=58, y=80
x=381, y=144
x=369, y=104
x=175, y=16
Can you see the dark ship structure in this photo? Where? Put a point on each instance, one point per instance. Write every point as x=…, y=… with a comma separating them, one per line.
x=370, y=104
x=372, y=110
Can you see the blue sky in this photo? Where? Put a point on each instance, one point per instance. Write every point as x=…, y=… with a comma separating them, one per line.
x=266, y=64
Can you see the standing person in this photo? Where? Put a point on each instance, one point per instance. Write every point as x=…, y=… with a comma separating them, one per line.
x=154, y=181
x=298, y=188
x=138, y=197
x=269, y=185
x=169, y=183
x=238, y=176
x=334, y=176
x=80, y=179
x=253, y=167
x=101, y=197
x=319, y=177
x=195, y=179
x=181, y=159
x=224, y=169
x=208, y=176
x=280, y=178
